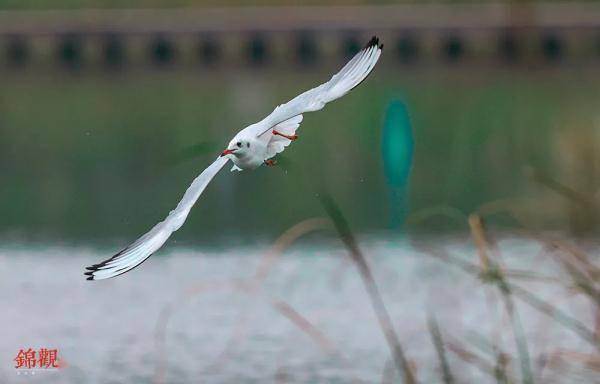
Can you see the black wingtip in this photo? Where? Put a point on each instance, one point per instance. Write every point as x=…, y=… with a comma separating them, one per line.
x=374, y=42
x=97, y=267
x=89, y=274
x=94, y=268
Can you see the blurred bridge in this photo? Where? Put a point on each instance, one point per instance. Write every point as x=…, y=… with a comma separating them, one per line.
x=480, y=34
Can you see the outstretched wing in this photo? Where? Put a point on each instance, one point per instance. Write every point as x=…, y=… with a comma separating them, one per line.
x=287, y=117
x=136, y=253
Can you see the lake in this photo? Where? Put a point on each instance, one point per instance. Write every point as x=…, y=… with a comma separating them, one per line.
x=187, y=316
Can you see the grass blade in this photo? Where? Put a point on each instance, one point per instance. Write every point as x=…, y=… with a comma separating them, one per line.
x=343, y=229
x=438, y=343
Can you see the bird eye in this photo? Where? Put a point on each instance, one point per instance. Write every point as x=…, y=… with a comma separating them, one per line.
x=248, y=145
x=239, y=144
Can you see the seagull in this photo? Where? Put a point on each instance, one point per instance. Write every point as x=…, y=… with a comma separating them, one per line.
x=252, y=147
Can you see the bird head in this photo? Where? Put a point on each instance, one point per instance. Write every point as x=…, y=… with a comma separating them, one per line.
x=237, y=147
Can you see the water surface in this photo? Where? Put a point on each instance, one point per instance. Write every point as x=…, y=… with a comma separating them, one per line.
x=116, y=330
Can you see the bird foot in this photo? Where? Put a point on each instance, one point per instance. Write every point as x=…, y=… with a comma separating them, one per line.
x=270, y=163
x=289, y=137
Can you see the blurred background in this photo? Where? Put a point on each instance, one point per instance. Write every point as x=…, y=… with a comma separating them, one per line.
x=479, y=115
x=107, y=114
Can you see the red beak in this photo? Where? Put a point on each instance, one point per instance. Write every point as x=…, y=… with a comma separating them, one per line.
x=227, y=152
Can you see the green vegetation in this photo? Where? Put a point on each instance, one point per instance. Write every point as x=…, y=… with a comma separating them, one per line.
x=90, y=156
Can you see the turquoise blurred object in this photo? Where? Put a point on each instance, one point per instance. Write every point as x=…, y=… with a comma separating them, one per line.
x=397, y=146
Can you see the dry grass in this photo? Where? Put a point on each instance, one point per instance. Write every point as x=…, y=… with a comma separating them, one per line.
x=584, y=279
x=385, y=322
x=502, y=287
x=250, y=286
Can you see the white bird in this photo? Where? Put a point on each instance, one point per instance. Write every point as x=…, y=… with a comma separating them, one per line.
x=250, y=148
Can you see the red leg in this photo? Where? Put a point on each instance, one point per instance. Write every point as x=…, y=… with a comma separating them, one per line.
x=270, y=163
x=292, y=137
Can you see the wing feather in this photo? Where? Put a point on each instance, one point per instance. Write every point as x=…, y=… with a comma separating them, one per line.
x=284, y=116
x=350, y=76
x=141, y=249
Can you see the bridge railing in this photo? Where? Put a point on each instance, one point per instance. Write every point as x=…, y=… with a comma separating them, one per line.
x=482, y=34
